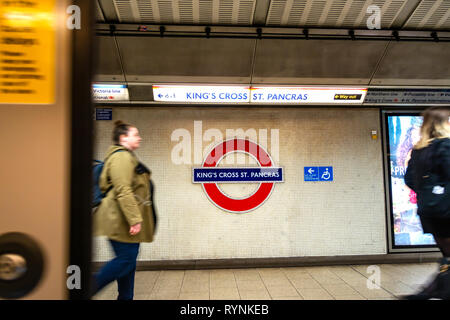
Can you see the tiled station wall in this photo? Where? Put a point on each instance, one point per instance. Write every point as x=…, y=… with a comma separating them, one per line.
x=343, y=217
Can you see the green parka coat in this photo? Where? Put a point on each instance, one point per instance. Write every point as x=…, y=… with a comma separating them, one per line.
x=127, y=203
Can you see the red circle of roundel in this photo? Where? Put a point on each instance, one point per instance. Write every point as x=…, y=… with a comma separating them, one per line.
x=213, y=191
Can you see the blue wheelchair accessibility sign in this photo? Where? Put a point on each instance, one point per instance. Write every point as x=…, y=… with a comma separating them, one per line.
x=318, y=173
x=325, y=173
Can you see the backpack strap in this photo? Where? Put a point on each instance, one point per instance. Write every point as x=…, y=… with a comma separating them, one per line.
x=109, y=189
x=113, y=153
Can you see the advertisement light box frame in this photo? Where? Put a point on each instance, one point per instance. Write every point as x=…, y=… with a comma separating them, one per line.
x=388, y=155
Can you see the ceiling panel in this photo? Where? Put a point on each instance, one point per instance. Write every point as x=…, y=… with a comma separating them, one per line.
x=316, y=61
x=146, y=11
x=415, y=63
x=275, y=61
x=430, y=14
x=331, y=13
x=186, y=59
x=192, y=12
x=124, y=12
x=107, y=66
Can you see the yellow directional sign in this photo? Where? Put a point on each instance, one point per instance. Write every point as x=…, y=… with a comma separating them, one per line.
x=347, y=96
x=27, y=51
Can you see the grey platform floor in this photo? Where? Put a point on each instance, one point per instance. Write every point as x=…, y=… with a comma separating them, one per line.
x=350, y=282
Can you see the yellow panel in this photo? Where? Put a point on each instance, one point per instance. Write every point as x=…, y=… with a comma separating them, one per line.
x=27, y=51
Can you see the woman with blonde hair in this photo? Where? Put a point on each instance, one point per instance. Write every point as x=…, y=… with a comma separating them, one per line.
x=428, y=174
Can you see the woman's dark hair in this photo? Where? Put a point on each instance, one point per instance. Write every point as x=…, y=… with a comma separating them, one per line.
x=120, y=128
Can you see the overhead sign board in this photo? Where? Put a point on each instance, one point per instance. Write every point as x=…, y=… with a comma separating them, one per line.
x=27, y=52
x=408, y=96
x=272, y=95
x=306, y=95
x=110, y=92
x=199, y=94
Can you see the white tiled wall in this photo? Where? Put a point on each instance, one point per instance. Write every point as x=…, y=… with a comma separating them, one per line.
x=343, y=217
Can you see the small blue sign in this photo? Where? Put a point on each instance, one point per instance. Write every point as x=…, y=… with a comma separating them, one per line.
x=318, y=173
x=103, y=114
x=311, y=173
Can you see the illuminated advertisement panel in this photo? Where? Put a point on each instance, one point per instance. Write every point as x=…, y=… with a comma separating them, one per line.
x=403, y=131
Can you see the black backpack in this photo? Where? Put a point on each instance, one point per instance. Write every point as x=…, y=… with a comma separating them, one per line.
x=97, y=169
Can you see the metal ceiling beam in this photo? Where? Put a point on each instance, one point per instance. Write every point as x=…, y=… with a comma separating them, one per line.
x=406, y=13
x=109, y=11
x=99, y=11
x=261, y=12
x=271, y=33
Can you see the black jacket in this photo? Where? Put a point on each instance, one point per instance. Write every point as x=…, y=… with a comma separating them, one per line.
x=435, y=158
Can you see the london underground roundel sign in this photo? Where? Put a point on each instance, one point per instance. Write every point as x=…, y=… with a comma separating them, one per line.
x=209, y=175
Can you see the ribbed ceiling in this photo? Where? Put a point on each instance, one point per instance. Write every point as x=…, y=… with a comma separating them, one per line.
x=331, y=13
x=192, y=12
x=404, y=14
x=431, y=14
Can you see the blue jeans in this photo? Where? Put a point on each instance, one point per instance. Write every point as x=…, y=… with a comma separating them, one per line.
x=122, y=268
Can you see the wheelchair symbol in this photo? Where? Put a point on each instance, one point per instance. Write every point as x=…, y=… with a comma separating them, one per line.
x=326, y=175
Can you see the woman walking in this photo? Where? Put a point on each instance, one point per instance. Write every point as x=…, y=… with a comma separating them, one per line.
x=428, y=174
x=125, y=213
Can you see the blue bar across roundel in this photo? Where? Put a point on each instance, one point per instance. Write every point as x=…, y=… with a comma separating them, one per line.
x=249, y=175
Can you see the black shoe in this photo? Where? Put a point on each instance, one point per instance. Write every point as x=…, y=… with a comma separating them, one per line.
x=93, y=287
x=417, y=296
x=430, y=291
x=443, y=287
